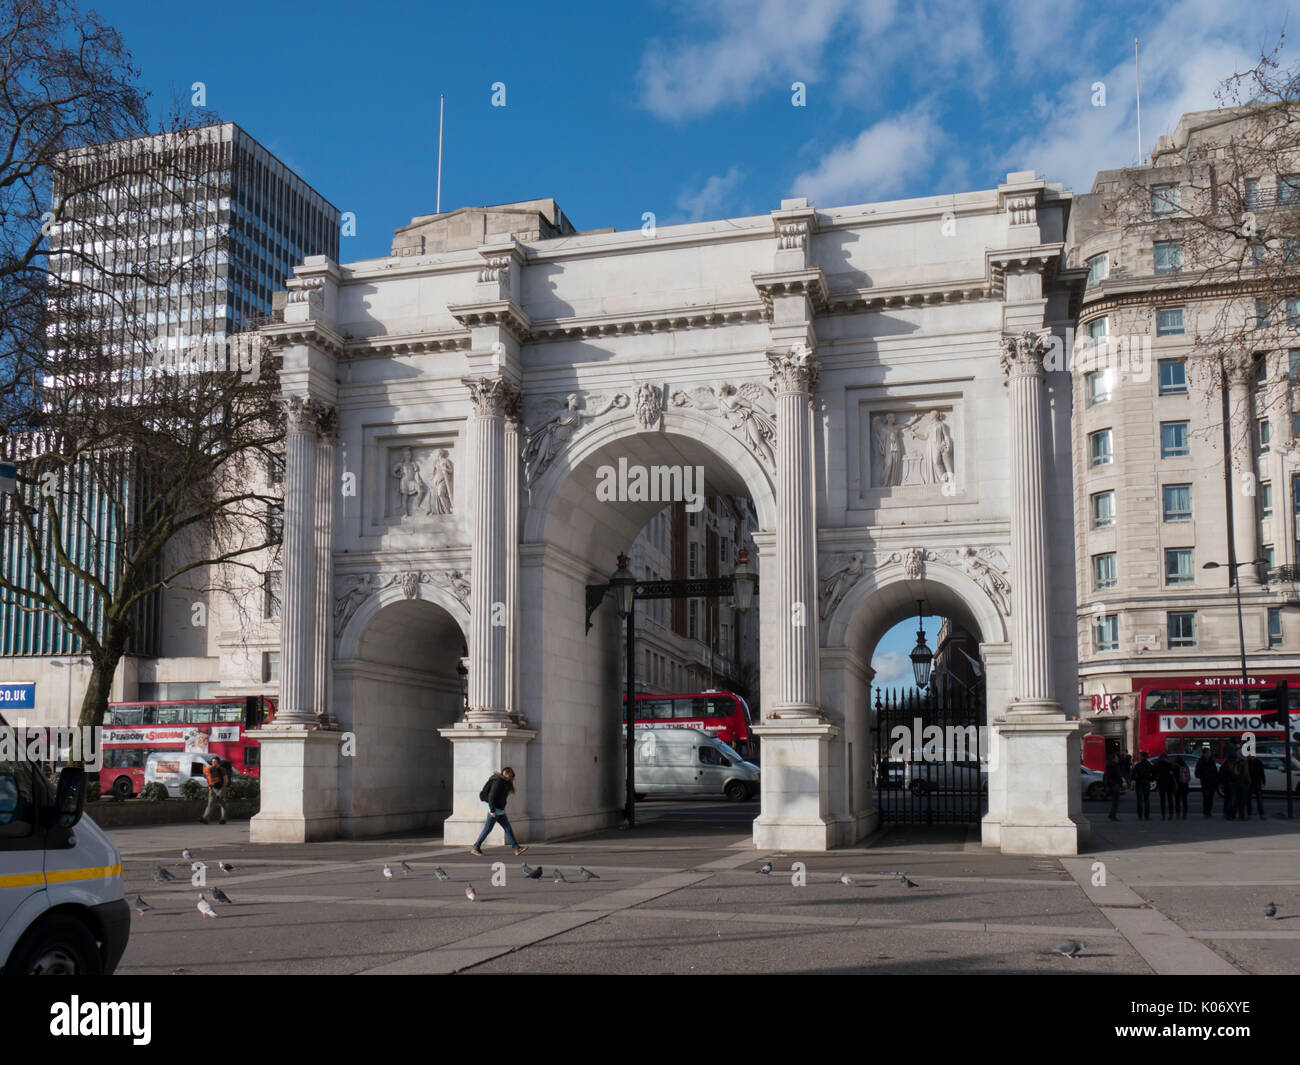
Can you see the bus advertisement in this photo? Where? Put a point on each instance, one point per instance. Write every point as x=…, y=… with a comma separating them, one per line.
x=721, y=714
x=1187, y=715
x=133, y=731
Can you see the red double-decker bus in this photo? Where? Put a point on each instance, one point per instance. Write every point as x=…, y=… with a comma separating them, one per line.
x=133, y=731
x=724, y=714
x=1186, y=715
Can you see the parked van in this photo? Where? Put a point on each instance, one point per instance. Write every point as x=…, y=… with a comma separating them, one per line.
x=171, y=769
x=62, y=911
x=689, y=761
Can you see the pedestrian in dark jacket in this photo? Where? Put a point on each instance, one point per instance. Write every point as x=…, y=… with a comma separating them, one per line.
x=1235, y=778
x=1166, y=784
x=1184, y=785
x=1143, y=776
x=1256, y=788
x=1126, y=767
x=496, y=792
x=1113, y=781
x=1207, y=772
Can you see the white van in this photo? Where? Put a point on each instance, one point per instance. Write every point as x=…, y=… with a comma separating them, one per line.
x=171, y=769
x=689, y=761
x=62, y=910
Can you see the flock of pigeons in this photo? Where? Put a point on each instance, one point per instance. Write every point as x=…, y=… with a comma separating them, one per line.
x=162, y=875
x=766, y=870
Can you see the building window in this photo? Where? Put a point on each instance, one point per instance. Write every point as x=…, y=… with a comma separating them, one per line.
x=1164, y=200
x=1293, y=364
x=270, y=667
x=1263, y=434
x=1098, y=328
x=1266, y=567
x=1105, y=633
x=1274, y=626
x=1182, y=628
x=1099, y=382
x=1261, y=314
x=1177, y=502
x=1099, y=448
x=1103, y=570
x=275, y=521
x=275, y=469
x=1173, y=377
x=1288, y=189
x=271, y=585
x=1103, y=507
x=1252, y=193
x=692, y=627
x=1168, y=256
x=1265, y=499
x=1169, y=322
x=1173, y=440
x=693, y=560
x=1098, y=268
x=1178, y=566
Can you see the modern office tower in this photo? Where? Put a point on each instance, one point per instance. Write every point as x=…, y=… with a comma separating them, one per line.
x=180, y=257
x=1160, y=650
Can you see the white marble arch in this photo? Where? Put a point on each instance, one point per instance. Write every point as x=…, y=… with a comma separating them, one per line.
x=395, y=685
x=571, y=539
x=876, y=603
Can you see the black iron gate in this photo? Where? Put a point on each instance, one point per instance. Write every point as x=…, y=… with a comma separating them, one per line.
x=931, y=765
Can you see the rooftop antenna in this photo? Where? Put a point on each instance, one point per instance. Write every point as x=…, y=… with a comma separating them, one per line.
x=1138, y=70
x=441, y=101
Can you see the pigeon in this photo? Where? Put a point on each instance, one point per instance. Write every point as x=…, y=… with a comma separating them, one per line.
x=846, y=879
x=406, y=869
x=162, y=875
x=559, y=876
x=903, y=879
x=195, y=866
x=205, y=907
x=531, y=873
x=187, y=855
x=469, y=892
x=1270, y=911
x=765, y=869
x=440, y=873
x=141, y=907
x=226, y=867
x=587, y=874
x=221, y=896
x=388, y=872
x=1070, y=948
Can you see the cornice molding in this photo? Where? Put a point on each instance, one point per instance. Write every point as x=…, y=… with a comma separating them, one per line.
x=809, y=282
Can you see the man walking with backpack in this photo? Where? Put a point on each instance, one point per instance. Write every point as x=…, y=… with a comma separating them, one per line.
x=1143, y=776
x=217, y=777
x=496, y=791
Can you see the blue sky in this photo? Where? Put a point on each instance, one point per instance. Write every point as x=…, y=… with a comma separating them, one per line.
x=685, y=109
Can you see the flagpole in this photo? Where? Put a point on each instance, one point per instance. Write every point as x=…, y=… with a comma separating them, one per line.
x=1138, y=71
x=438, y=205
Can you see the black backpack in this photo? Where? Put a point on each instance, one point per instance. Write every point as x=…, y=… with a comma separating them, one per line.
x=483, y=795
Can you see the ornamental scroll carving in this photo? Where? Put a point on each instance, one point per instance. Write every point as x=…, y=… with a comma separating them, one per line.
x=1024, y=354
x=364, y=585
x=985, y=566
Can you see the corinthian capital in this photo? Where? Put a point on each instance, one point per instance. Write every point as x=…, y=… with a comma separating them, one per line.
x=793, y=371
x=302, y=414
x=493, y=396
x=1023, y=355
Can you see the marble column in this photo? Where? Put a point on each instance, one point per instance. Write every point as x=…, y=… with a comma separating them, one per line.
x=513, y=416
x=298, y=601
x=794, y=376
x=326, y=446
x=1241, y=425
x=487, y=641
x=1022, y=361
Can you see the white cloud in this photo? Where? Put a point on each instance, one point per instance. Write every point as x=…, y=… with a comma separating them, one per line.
x=754, y=48
x=893, y=670
x=712, y=200
x=880, y=161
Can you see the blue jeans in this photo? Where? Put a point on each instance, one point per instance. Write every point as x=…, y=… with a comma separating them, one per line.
x=497, y=817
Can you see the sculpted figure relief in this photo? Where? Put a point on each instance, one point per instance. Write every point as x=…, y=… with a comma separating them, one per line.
x=918, y=451
x=411, y=489
x=546, y=440
x=739, y=406
x=839, y=581
x=443, y=472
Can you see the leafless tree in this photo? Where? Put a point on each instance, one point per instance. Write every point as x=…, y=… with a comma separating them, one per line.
x=141, y=435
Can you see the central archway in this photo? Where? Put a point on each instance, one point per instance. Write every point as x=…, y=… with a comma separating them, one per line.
x=572, y=538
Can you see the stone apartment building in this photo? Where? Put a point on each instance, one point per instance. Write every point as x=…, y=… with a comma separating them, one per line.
x=1151, y=495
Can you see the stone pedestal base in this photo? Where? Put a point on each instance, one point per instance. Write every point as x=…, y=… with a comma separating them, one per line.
x=1038, y=758
x=477, y=753
x=795, y=786
x=299, y=785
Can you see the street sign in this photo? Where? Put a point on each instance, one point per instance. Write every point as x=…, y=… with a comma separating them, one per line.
x=17, y=695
